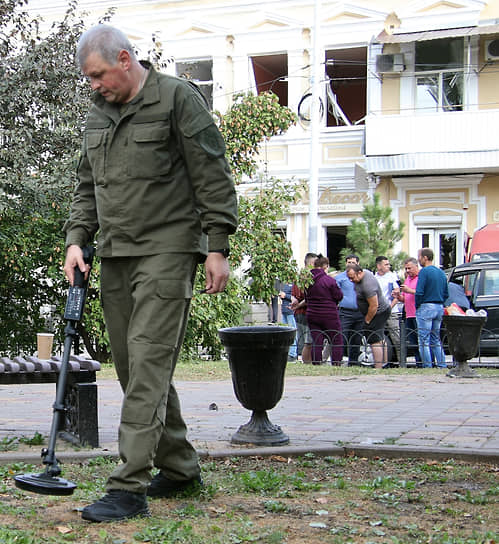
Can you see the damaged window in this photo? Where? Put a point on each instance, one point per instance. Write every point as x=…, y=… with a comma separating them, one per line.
x=346, y=71
x=271, y=74
x=439, y=75
x=199, y=72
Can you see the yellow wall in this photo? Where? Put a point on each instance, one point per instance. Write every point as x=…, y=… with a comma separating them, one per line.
x=390, y=100
x=390, y=104
x=489, y=187
x=488, y=83
x=444, y=203
x=490, y=11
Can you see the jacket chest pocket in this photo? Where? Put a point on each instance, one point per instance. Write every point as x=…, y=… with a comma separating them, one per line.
x=149, y=155
x=96, y=151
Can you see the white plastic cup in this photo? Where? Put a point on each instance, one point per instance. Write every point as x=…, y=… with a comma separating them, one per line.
x=44, y=342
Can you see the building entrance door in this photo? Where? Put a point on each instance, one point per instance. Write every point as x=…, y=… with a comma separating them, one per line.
x=336, y=241
x=446, y=243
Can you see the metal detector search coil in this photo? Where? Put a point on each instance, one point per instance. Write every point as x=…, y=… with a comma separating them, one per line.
x=50, y=482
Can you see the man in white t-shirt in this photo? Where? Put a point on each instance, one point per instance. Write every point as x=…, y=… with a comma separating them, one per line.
x=388, y=281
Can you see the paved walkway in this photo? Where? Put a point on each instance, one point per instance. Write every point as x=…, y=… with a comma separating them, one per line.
x=369, y=414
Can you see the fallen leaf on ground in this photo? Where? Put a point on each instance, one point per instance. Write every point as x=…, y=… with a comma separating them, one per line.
x=279, y=458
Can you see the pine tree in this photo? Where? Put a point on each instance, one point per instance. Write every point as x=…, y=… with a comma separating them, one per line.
x=375, y=233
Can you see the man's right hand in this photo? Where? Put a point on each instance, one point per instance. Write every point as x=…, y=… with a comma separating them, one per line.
x=74, y=257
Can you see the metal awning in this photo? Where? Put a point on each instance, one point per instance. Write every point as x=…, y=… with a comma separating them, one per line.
x=433, y=163
x=425, y=35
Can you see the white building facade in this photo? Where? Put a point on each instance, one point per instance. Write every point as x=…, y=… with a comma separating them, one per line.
x=409, y=103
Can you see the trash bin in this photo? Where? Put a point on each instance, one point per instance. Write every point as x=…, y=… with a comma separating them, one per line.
x=463, y=336
x=257, y=359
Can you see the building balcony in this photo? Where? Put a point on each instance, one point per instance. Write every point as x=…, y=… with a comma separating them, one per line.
x=288, y=156
x=438, y=143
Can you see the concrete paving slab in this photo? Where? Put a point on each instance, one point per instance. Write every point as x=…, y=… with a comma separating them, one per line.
x=379, y=413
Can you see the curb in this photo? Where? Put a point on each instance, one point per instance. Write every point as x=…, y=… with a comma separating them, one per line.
x=370, y=452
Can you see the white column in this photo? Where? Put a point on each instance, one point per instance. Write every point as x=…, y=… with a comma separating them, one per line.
x=315, y=154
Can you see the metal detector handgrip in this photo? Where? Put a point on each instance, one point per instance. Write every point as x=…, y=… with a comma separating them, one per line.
x=77, y=293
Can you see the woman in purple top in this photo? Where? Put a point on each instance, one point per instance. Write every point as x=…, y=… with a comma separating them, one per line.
x=323, y=317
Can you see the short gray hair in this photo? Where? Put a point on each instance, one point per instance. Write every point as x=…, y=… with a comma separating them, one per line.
x=105, y=40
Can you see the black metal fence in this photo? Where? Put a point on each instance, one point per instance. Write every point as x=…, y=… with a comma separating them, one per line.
x=404, y=350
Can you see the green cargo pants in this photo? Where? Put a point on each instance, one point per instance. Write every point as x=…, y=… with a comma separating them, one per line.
x=146, y=303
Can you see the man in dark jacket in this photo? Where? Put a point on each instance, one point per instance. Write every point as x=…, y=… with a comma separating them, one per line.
x=352, y=321
x=154, y=183
x=322, y=299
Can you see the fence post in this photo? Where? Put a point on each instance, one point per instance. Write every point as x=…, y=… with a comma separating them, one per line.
x=403, y=341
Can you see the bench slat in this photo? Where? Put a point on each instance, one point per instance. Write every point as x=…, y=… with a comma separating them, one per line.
x=40, y=365
x=10, y=366
x=32, y=365
x=26, y=366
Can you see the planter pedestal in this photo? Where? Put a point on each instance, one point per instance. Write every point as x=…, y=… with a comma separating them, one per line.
x=463, y=335
x=257, y=359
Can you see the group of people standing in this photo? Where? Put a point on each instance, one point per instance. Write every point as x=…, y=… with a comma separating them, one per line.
x=358, y=304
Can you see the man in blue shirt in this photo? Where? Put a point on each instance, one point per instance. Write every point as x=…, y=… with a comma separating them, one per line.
x=431, y=292
x=457, y=295
x=351, y=319
x=287, y=317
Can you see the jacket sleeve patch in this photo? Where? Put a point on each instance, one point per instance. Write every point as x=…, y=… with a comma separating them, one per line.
x=210, y=140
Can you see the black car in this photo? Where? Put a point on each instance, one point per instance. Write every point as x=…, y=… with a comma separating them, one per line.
x=480, y=281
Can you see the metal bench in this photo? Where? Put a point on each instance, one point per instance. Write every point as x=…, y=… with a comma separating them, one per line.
x=80, y=422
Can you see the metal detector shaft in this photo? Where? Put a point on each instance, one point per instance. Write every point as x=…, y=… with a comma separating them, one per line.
x=58, y=406
x=73, y=313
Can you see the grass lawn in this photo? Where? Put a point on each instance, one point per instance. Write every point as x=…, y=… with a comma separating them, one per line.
x=276, y=500
x=219, y=370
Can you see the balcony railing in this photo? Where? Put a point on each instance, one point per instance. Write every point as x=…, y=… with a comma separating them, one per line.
x=449, y=132
x=288, y=155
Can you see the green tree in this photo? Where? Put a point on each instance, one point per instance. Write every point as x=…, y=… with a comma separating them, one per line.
x=259, y=250
x=259, y=255
x=375, y=233
x=251, y=120
x=41, y=138
x=42, y=103
x=269, y=255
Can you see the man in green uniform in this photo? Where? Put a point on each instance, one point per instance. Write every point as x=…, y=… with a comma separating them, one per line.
x=154, y=183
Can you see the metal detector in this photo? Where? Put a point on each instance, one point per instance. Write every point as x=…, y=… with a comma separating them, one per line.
x=48, y=482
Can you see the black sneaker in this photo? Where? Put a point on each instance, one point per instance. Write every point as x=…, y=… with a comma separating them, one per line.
x=115, y=505
x=163, y=487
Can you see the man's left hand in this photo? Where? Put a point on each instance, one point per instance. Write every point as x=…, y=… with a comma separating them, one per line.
x=217, y=273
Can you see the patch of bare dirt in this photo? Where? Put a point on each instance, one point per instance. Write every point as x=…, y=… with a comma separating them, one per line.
x=273, y=500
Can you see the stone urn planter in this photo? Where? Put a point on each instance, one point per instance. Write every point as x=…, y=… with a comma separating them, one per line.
x=463, y=335
x=257, y=359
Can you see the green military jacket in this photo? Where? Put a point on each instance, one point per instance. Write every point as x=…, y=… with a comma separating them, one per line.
x=152, y=176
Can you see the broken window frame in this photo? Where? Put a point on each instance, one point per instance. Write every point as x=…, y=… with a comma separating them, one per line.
x=342, y=71
x=204, y=84
x=439, y=70
x=277, y=80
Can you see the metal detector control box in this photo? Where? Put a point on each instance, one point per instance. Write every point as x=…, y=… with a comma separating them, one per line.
x=77, y=293
x=75, y=303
